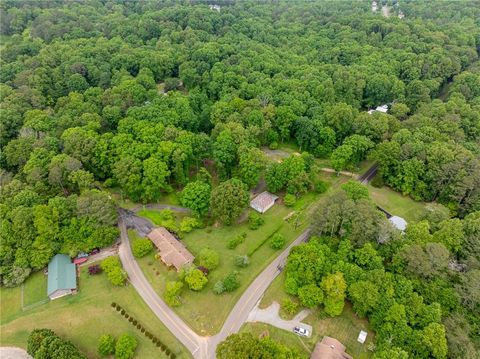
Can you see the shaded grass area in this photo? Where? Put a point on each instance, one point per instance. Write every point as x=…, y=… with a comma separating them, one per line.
x=35, y=289
x=83, y=317
x=124, y=202
x=397, y=204
x=284, y=337
x=345, y=327
x=157, y=218
x=205, y=311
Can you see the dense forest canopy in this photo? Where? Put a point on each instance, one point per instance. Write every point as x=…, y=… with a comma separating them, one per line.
x=139, y=95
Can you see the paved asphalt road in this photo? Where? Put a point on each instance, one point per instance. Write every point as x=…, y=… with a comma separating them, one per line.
x=193, y=342
x=200, y=347
x=251, y=296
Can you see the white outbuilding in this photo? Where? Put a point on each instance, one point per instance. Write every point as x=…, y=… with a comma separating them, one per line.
x=382, y=109
x=362, y=336
x=263, y=202
x=398, y=222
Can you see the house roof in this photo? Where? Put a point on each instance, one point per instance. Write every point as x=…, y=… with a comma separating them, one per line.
x=171, y=250
x=263, y=201
x=329, y=348
x=61, y=274
x=398, y=222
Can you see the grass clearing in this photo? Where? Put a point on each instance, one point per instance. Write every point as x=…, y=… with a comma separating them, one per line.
x=288, y=339
x=397, y=204
x=345, y=327
x=83, y=317
x=205, y=311
x=35, y=289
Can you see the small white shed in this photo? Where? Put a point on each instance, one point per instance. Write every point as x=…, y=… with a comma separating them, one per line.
x=398, y=222
x=362, y=336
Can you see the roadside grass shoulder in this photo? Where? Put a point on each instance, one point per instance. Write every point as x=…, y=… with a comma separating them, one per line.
x=83, y=317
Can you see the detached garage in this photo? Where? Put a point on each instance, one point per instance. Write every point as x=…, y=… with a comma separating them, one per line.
x=62, y=277
x=263, y=202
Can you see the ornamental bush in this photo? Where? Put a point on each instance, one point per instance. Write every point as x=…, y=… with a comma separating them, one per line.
x=141, y=247
x=125, y=347
x=106, y=345
x=277, y=241
x=255, y=220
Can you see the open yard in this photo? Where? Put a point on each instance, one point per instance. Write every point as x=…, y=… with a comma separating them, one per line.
x=205, y=311
x=345, y=327
x=83, y=317
x=35, y=290
x=397, y=204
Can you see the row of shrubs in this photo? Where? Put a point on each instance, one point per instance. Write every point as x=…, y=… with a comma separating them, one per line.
x=142, y=329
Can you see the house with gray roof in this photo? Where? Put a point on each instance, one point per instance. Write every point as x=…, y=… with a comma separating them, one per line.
x=62, y=277
x=263, y=202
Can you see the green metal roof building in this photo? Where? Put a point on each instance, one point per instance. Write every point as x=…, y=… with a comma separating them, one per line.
x=62, y=277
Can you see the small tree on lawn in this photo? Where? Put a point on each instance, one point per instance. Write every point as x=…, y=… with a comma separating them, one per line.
x=106, y=345
x=114, y=271
x=231, y=282
x=277, y=241
x=195, y=279
x=125, y=347
x=141, y=247
x=209, y=258
x=255, y=220
x=172, y=293
x=242, y=261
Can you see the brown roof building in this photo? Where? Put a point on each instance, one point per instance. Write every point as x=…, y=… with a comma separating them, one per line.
x=172, y=252
x=329, y=348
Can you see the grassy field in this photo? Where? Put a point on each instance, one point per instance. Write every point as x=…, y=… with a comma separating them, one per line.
x=156, y=217
x=345, y=327
x=35, y=289
x=288, y=339
x=397, y=204
x=204, y=311
x=83, y=317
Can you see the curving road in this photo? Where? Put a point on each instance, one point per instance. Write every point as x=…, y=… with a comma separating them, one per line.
x=200, y=347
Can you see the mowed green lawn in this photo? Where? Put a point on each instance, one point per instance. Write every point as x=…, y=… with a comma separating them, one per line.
x=83, y=317
x=205, y=311
x=284, y=337
x=35, y=289
x=345, y=327
x=397, y=204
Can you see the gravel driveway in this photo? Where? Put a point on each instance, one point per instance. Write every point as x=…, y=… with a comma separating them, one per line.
x=270, y=316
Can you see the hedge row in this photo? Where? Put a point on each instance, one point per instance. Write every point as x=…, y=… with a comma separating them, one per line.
x=142, y=329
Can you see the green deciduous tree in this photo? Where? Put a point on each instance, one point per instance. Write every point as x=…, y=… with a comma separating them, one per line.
x=229, y=200
x=334, y=287
x=196, y=196
x=195, y=279
x=125, y=346
x=172, y=293
x=209, y=258
x=310, y=295
x=106, y=345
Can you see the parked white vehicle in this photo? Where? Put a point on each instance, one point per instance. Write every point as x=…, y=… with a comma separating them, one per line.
x=301, y=331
